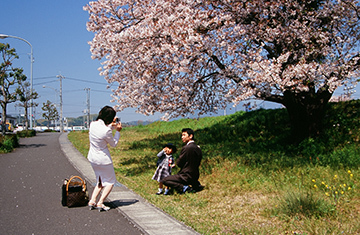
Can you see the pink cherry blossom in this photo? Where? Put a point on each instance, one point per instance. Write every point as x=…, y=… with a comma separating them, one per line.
x=181, y=56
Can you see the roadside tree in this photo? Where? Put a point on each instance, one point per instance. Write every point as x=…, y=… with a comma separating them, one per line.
x=25, y=96
x=50, y=112
x=179, y=56
x=9, y=77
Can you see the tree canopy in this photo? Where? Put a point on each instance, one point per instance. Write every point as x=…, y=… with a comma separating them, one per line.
x=49, y=112
x=179, y=56
x=26, y=95
x=9, y=77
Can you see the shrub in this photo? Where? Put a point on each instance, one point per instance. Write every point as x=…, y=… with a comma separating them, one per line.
x=346, y=157
x=26, y=133
x=8, y=143
x=305, y=204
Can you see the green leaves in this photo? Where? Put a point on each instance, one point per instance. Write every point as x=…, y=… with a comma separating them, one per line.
x=9, y=77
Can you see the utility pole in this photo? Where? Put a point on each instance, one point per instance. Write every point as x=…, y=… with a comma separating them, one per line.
x=88, y=106
x=61, y=103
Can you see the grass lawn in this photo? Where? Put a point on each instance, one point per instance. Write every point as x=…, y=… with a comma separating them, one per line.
x=256, y=181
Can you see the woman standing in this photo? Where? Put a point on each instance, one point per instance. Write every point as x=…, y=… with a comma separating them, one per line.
x=100, y=135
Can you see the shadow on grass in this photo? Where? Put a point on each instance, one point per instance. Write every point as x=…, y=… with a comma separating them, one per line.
x=158, y=142
x=262, y=139
x=148, y=158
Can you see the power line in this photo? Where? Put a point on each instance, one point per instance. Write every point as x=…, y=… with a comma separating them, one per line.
x=101, y=91
x=75, y=79
x=44, y=77
x=75, y=90
x=45, y=82
x=87, y=81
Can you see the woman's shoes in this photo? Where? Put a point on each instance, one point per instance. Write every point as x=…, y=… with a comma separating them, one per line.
x=102, y=207
x=92, y=205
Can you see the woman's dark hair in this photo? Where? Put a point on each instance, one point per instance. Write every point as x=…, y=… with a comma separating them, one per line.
x=106, y=114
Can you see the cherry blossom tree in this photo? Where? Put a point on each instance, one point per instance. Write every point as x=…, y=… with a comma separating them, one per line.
x=181, y=56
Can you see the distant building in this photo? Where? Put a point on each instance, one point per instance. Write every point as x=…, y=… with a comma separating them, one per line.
x=10, y=119
x=10, y=122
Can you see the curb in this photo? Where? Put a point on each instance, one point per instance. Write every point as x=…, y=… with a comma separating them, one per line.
x=145, y=216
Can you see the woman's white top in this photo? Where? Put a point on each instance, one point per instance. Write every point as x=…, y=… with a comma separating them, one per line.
x=100, y=136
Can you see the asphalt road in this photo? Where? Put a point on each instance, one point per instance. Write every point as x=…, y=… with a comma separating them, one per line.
x=30, y=198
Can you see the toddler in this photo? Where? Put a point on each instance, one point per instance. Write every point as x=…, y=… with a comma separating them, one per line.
x=164, y=165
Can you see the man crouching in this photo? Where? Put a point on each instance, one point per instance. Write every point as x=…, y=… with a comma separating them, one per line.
x=189, y=162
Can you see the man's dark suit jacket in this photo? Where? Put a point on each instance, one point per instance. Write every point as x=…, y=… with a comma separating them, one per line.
x=189, y=162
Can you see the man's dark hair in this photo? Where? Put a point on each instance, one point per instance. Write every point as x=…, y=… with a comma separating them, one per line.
x=106, y=114
x=189, y=131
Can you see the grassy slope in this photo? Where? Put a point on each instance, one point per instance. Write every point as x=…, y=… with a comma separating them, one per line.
x=256, y=181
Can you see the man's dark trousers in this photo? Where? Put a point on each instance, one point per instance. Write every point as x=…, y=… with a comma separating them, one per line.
x=175, y=181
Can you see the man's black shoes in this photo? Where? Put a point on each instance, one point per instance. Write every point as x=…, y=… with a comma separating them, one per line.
x=199, y=188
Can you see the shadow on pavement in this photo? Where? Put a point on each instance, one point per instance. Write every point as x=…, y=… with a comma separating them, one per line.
x=123, y=202
x=31, y=145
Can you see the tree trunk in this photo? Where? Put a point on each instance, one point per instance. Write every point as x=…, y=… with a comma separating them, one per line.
x=306, y=112
x=3, y=119
x=26, y=116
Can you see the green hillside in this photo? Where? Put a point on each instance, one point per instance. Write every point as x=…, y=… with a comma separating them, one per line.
x=256, y=181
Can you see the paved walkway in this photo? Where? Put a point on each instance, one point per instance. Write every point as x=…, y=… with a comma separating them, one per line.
x=30, y=195
x=146, y=216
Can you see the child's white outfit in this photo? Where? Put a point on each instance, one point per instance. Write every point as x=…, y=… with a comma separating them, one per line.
x=164, y=168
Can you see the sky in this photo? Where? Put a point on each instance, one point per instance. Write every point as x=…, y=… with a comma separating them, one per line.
x=57, y=32
x=59, y=38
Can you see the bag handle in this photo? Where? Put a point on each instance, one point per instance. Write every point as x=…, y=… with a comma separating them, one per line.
x=73, y=177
